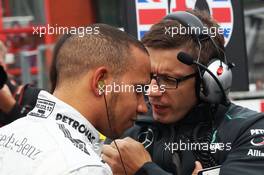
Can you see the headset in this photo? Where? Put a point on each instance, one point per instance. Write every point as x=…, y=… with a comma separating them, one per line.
x=215, y=79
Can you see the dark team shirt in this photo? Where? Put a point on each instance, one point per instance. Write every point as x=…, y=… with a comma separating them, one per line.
x=232, y=137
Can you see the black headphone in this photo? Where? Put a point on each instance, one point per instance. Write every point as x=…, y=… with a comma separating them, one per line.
x=215, y=78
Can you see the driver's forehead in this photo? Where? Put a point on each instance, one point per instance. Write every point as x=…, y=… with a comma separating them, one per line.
x=136, y=77
x=140, y=66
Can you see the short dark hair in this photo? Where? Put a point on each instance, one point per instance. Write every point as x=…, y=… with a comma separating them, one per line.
x=74, y=55
x=156, y=38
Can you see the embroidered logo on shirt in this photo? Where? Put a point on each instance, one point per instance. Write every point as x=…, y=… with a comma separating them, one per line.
x=43, y=108
x=77, y=142
x=81, y=128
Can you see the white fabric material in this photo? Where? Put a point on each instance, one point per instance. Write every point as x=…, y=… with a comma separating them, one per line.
x=53, y=139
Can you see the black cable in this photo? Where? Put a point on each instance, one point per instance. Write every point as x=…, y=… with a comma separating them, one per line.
x=112, y=132
x=169, y=5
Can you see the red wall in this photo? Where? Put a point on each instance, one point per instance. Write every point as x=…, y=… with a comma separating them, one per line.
x=68, y=13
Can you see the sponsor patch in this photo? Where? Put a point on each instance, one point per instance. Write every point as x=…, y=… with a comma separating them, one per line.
x=19, y=145
x=76, y=142
x=81, y=128
x=255, y=153
x=43, y=108
x=259, y=141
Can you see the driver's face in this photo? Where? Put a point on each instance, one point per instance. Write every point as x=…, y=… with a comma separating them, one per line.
x=125, y=105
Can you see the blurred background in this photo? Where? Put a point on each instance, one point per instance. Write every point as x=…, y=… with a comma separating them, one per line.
x=29, y=56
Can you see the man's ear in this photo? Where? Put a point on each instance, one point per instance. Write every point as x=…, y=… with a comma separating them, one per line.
x=98, y=80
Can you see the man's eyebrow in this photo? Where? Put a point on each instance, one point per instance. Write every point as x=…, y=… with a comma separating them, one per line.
x=172, y=74
x=164, y=72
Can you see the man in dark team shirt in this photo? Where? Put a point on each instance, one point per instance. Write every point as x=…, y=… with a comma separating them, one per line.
x=187, y=124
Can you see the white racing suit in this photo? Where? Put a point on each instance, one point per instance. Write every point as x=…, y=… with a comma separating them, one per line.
x=53, y=139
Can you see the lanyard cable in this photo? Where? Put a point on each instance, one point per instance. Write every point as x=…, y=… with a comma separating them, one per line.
x=112, y=132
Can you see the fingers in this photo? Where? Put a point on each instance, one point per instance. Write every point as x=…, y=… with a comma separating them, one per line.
x=198, y=167
x=113, y=144
x=120, y=143
x=124, y=142
x=127, y=148
x=111, y=156
x=129, y=139
x=109, y=151
x=115, y=166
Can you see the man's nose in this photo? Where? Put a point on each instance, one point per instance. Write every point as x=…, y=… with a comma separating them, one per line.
x=154, y=89
x=142, y=106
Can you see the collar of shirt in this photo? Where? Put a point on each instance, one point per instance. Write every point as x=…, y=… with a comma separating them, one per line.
x=51, y=108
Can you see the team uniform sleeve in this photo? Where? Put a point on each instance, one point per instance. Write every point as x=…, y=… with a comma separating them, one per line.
x=247, y=153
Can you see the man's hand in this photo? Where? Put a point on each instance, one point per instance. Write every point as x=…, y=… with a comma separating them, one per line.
x=7, y=100
x=133, y=154
x=198, y=167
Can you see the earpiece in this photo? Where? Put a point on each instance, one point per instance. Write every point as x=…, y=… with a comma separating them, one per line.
x=212, y=87
x=101, y=86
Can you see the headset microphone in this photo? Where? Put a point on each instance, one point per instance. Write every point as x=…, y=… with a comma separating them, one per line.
x=185, y=58
x=216, y=79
